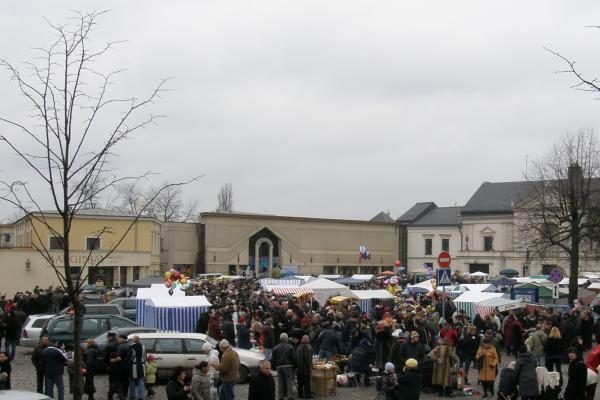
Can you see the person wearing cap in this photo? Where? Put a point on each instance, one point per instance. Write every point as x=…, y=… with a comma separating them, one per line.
x=110, y=352
x=576, y=386
x=409, y=381
x=151, y=374
x=488, y=360
x=284, y=361
x=412, y=349
x=229, y=370
x=444, y=359
x=389, y=381
x=304, y=368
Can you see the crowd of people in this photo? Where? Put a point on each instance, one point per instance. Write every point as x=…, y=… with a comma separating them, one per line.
x=411, y=343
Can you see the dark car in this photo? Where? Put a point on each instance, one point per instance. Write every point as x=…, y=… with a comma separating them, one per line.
x=101, y=340
x=128, y=304
x=60, y=327
x=108, y=309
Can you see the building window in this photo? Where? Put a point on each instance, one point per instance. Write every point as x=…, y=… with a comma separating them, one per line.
x=6, y=237
x=445, y=244
x=56, y=243
x=428, y=247
x=92, y=243
x=327, y=270
x=488, y=243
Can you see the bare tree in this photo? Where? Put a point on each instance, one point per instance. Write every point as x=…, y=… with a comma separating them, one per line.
x=561, y=213
x=225, y=199
x=169, y=204
x=67, y=144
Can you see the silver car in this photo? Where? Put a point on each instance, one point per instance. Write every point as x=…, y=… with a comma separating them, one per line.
x=173, y=349
x=32, y=328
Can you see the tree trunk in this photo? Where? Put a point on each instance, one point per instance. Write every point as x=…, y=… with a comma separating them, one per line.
x=574, y=266
x=77, y=383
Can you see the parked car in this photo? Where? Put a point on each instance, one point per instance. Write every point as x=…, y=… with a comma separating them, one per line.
x=109, y=309
x=101, y=340
x=22, y=395
x=60, y=327
x=187, y=349
x=128, y=304
x=30, y=334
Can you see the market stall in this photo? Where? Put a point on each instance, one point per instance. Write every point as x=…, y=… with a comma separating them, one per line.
x=289, y=282
x=501, y=304
x=154, y=291
x=175, y=313
x=366, y=297
x=324, y=289
x=468, y=300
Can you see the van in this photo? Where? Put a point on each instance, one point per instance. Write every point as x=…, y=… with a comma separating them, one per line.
x=208, y=277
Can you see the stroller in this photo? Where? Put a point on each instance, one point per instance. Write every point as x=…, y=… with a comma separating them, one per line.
x=550, y=383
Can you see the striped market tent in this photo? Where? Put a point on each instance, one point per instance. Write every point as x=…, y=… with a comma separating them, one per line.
x=468, y=300
x=366, y=297
x=269, y=282
x=144, y=294
x=501, y=304
x=175, y=313
x=282, y=290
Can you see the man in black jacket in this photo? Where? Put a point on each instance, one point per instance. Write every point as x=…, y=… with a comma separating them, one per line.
x=53, y=360
x=36, y=360
x=284, y=361
x=412, y=349
x=110, y=353
x=262, y=386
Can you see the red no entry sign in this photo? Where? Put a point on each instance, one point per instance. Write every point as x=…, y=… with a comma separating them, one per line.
x=444, y=259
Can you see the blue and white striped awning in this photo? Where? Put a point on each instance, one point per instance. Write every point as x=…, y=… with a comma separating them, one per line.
x=175, y=314
x=267, y=283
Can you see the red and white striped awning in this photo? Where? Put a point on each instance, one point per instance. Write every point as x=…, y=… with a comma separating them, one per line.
x=289, y=289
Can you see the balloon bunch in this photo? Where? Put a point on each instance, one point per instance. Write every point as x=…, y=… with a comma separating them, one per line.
x=174, y=278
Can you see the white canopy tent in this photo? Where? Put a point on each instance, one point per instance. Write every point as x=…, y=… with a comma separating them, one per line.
x=324, y=289
x=580, y=281
x=305, y=278
x=329, y=276
x=479, y=273
x=365, y=297
x=468, y=300
x=154, y=291
x=363, y=277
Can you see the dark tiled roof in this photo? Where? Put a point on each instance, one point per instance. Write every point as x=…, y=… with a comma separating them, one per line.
x=382, y=217
x=497, y=197
x=416, y=211
x=439, y=216
x=97, y=212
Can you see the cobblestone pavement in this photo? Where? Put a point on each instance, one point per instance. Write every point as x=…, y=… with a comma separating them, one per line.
x=23, y=377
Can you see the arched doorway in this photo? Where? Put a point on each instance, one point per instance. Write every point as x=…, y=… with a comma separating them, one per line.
x=263, y=251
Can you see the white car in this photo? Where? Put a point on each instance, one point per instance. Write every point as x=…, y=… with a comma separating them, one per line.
x=173, y=349
x=32, y=328
x=22, y=395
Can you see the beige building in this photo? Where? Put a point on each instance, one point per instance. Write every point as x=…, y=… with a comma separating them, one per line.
x=180, y=247
x=93, y=234
x=230, y=243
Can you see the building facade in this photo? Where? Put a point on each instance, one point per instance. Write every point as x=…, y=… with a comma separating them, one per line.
x=94, y=234
x=238, y=242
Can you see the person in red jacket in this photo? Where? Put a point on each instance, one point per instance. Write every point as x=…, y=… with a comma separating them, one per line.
x=449, y=333
x=593, y=362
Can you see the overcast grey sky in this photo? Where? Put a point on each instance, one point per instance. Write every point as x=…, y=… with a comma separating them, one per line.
x=335, y=109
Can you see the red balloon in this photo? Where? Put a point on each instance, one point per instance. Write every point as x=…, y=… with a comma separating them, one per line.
x=168, y=284
x=176, y=275
x=398, y=263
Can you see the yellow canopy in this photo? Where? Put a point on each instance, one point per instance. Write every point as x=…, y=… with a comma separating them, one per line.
x=339, y=299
